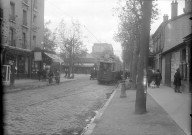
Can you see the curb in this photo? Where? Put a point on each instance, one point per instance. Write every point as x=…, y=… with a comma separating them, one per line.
x=32, y=87
x=90, y=127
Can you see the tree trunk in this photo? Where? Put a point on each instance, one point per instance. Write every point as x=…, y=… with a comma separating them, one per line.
x=135, y=64
x=140, y=104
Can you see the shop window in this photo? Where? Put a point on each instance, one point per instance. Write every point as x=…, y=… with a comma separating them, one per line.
x=21, y=65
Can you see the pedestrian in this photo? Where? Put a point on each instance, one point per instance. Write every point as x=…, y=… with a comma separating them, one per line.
x=39, y=74
x=153, y=77
x=149, y=77
x=66, y=72
x=158, y=78
x=50, y=76
x=57, y=77
x=177, y=81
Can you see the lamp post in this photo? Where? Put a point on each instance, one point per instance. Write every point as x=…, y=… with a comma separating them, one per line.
x=123, y=92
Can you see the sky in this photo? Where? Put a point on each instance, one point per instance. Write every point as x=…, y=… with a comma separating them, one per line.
x=97, y=19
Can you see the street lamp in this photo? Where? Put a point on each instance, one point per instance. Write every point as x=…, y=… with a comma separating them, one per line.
x=123, y=92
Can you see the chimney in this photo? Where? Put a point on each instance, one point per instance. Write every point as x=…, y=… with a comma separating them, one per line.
x=188, y=4
x=165, y=18
x=174, y=9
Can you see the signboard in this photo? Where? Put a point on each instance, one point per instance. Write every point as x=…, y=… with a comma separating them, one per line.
x=37, y=56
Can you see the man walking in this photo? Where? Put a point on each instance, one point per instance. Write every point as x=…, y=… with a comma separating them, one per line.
x=177, y=81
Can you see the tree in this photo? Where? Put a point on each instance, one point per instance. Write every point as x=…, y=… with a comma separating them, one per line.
x=140, y=104
x=49, y=38
x=70, y=42
x=135, y=19
x=129, y=31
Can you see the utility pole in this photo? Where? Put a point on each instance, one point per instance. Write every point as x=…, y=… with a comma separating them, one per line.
x=140, y=103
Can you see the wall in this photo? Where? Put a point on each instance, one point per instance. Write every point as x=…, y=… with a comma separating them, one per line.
x=163, y=70
x=176, y=30
x=17, y=25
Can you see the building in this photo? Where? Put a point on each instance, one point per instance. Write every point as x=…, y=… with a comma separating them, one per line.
x=170, y=47
x=22, y=31
x=84, y=65
x=99, y=49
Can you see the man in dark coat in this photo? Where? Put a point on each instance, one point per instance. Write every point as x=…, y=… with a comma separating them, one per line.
x=177, y=81
x=158, y=78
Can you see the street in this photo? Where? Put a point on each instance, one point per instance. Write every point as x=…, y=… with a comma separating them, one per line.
x=59, y=109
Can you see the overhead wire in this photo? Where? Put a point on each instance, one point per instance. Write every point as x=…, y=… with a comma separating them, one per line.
x=59, y=9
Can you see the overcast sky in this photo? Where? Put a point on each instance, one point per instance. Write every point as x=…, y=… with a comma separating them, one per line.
x=96, y=17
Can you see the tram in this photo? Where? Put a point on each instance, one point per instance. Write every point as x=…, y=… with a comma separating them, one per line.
x=107, y=72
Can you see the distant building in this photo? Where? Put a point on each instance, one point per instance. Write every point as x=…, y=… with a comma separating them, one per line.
x=86, y=64
x=171, y=52
x=99, y=49
x=22, y=30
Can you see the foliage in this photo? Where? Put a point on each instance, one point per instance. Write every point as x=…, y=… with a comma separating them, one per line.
x=130, y=14
x=49, y=38
x=69, y=37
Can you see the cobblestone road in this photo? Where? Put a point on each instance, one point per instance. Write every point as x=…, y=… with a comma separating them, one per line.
x=63, y=109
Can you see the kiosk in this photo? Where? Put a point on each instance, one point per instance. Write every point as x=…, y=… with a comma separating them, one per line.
x=6, y=71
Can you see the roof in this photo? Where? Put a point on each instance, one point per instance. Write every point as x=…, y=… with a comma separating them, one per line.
x=163, y=24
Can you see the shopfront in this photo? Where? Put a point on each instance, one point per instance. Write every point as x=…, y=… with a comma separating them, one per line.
x=19, y=61
x=43, y=60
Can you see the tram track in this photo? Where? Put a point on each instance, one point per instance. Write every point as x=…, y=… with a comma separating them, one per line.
x=70, y=90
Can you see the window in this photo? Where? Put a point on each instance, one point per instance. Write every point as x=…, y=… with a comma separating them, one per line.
x=25, y=17
x=34, y=19
x=35, y=4
x=24, y=40
x=12, y=12
x=34, y=41
x=11, y=37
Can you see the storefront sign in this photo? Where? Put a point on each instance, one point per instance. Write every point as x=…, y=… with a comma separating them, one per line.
x=37, y=56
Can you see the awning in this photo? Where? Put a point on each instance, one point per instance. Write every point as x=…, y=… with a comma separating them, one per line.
x=54, y=57
x=85, y=65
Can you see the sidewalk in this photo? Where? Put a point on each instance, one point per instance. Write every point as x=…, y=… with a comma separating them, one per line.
x=117, y=117
x=177, y=105
x=24, y=84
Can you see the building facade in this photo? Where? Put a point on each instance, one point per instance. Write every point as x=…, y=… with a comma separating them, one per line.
x=22, y=31
x=171, y=52
x=99, y=49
